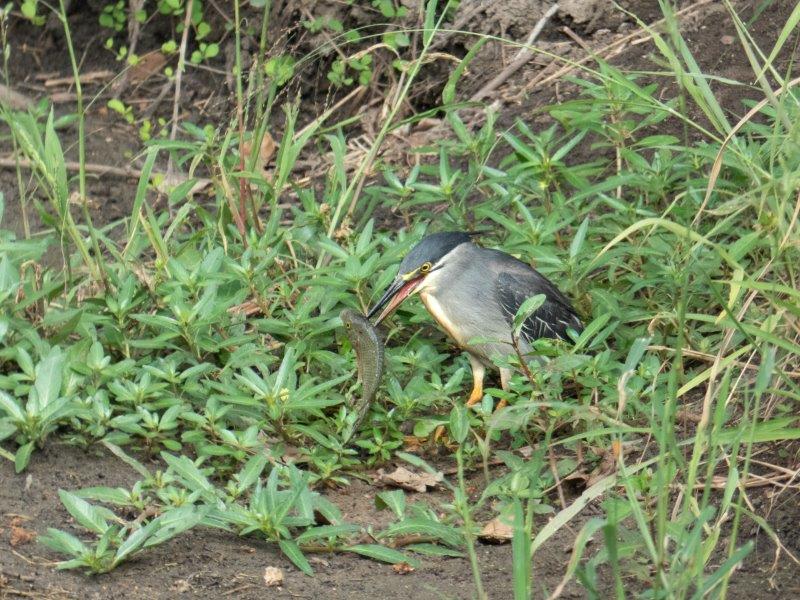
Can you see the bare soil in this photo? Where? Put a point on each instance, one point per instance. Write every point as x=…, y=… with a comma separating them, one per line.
x=214, y=564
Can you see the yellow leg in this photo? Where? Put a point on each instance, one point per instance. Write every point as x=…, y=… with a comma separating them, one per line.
x=505, y=378
x=478, y=372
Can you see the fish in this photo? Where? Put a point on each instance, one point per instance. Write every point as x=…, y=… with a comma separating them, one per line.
x=369, y=358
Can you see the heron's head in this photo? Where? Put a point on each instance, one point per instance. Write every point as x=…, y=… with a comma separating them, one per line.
x=427, y=257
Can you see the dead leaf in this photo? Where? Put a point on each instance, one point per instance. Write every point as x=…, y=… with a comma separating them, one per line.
x=408, y=480
x=402, y=568
x=165, y=184
x=496, y=531
x=148, y=65
x=318, y=560
x=21, y=536
x=273, y=577
x=84, y=78
x=248, y=308
x=265, y=152
x=180, y=586
x=14, y=100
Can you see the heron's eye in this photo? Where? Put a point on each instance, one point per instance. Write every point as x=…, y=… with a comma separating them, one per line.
x=347, y=325
x=425, y=268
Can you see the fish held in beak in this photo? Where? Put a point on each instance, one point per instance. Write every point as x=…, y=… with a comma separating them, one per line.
x=399, y=290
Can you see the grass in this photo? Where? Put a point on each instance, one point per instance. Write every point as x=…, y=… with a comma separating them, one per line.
x=681, y=256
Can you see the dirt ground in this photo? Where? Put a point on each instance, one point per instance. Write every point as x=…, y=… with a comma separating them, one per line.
x=216, y=564
x=213, y=564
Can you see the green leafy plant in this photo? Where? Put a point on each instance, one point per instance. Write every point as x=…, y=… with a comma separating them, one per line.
x=46, y=407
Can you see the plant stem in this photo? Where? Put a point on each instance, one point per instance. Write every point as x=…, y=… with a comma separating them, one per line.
x=23, y=199
x=96, y=266
x=350, y=197
x=259, y=64
x=463, y=509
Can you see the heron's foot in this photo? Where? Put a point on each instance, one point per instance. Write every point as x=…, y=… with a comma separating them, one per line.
x=502, y=404
x=476, y=396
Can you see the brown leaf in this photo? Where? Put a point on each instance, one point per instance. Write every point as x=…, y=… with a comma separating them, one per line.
x=403, y=568
x=20, y=535
x=496, y=531
x=265, y=152
x=408, y=480
x=180, y=586
x=273, y=577
x=147, y=66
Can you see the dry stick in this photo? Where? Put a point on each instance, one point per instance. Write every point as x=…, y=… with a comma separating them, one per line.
x=459, y=23
x=615, y=47
x=244, y=189
x=370, y=160
x=9, y=161
x=711, y=358
x=187, y=20
x=577, y=39
x=133, y=40
x=97, y=169
x=554, y=470
x=69, y=80
x=523, y=56
x=14, y=100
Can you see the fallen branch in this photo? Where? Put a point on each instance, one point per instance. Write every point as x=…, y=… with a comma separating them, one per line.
x=91, y=77
x=95, y=168
x=637, y=37
x=523, y=56
x=14, y=100
x=166, y=179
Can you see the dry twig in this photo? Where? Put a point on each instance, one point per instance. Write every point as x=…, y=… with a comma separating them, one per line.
x=523, y=56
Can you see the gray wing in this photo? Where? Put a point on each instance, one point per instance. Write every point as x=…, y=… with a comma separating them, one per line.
x=551, y=320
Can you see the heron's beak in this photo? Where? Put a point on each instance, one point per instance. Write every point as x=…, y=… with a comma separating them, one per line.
x=399, y=290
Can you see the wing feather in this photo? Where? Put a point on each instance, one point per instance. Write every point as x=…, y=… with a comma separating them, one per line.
x=551, y=320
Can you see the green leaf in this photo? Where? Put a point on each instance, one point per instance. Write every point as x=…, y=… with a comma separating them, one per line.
x=203, y=29
x=134, y=541
x=127, y=459
x=84, y=513
x=526, y=310
x=580, y=236
x=434, y=550
x=786, y=31
x=521, y=554
x=449, y=91
x=394, y=499
x=175, y=521
x=327, y=531
x=382, y=553
x=14, y=410
x=637, y=350
x=48, y=377
x=430, y=22
x=190, y=474
x=118, y=496
x=725, y=568
x=22, y=457
x=63, y=542
x=424, y=526
x=459, y=423
x=251, y=471
x=294, y=554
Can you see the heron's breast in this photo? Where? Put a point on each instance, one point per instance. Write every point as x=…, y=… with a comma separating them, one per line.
x=438, y=312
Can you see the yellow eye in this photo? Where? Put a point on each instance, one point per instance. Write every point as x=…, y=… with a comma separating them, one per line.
x=425, y=268
x=347, y=325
